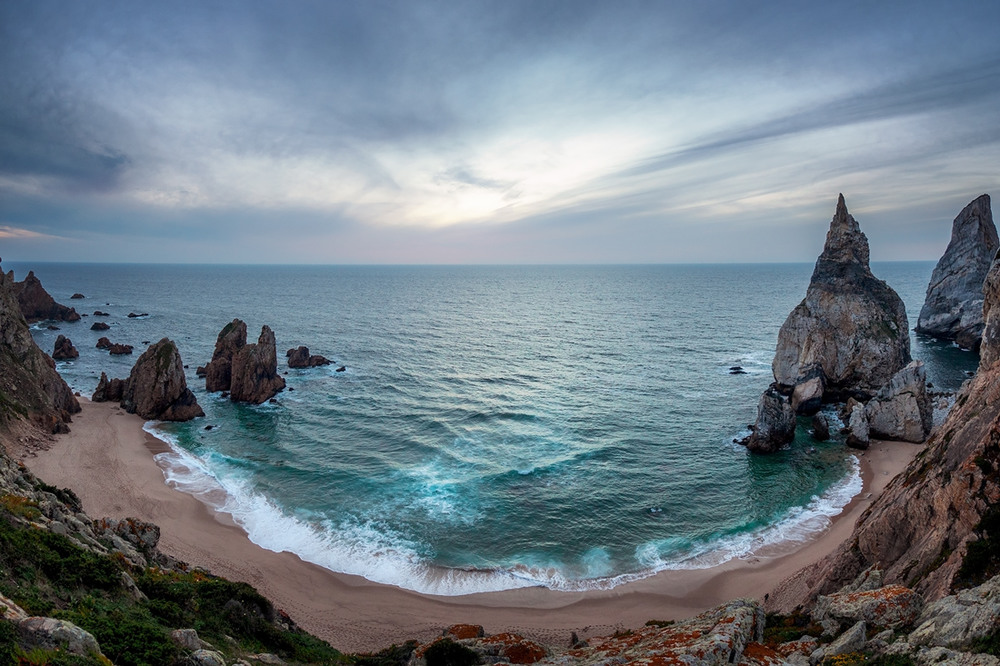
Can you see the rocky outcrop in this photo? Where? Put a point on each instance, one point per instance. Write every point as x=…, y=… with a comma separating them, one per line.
x=775, y=426
x=849, y=335
x=300, y=358
x=36, y=304
x=99, y=326
x=118, y=349
x=902, y=409
x=108, y=390
x=953, y=308
x=989, y=351
x=157, y=389
x=30, y=387
x=255, y=376
x=858, y=432
x=219, y=371
x=64, y=349
x=960, y=619
x=103, y=343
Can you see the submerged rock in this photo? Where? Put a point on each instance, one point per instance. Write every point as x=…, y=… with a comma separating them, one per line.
x=36, y=304
x=99, y=326
x=953, y=307
x=255, y=376
x=850, y=332
x=156, y=387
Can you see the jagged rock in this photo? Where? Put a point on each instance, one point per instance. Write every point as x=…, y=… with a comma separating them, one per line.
x=940, y=656
x=10, y=610
x=267, y=658
x=775, y=426
x=858, y=433
x=108, y=390
x=30, y=386
x=49, y=633
x=851, y=640
x=103, y=343
x=892, y=606
x=902, y=409
x=231, y=339
x=118, y=349
x=868, y=580
x=204, y=657
x=36, y=304
x=851, y=328
x=64, y=349
x=989, y=351
x=953, y=308
x=300, y=358
x=821, y=428
x=99, y=326
x=156, y=387
x=77, y=296
x=255, y=371
x=807, y=396
x=98, y=313
x=959, y=619
x=188, y=639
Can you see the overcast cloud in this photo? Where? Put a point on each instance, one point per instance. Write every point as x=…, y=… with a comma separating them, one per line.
x=470, y=132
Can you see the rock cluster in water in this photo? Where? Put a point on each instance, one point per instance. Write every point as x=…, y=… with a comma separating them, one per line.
x=953, y=308
x=848, y=338
x=64, y=349
x=301, y=358
x=248, y=371
x=36, y=304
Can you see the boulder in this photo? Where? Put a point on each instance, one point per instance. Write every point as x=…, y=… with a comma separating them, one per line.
x=953, y=307
x=218, y=372
x=902, y=409
x=850, y=330
x=49, y=633
x=892, y=606
x=77, y=296
x=64, y=349
x=103, y=343
x=821, y=428
x=117, y=349
x=775, y=426
x=255, y=376
x=98, y=313
x=300, y=358
x=960, y=619
x=858, y=433
x=36, y=304
x=807, y=396
x=99, y=326
x=156, y=387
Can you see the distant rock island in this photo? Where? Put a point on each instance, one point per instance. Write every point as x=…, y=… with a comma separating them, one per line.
x=36, y=304
x=248, y=371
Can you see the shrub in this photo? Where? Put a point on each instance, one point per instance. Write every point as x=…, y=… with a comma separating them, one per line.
x=447, y=652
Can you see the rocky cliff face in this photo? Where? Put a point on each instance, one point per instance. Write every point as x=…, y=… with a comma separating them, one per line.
x=36, y=304
x=921, y=528
x=219, y=371
x=156, y=387
x=850, y=334
x=953, y=308
x=255, y=371
x=30, y=387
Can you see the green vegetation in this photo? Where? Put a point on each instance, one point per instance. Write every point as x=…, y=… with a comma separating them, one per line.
x=396, y=655
x=988, y=644
x=982, y=557
x=447, y=652
x=784, y=628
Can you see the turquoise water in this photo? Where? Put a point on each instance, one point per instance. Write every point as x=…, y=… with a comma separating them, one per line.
x=496, y=427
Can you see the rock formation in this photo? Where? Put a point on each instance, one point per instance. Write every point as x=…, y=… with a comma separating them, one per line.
x=255, y=376
x=775, y=426
x=156, y=387
x=36, y=304
x=108, y=390
x=849, y=335
x=118, y=349
x=902, y=409
x=218, y=372
x=953, y=308
x=103, y=343
x=944, y=505
x=300, y=358
x=99, y=326
x=30, y=387
x=64, y=349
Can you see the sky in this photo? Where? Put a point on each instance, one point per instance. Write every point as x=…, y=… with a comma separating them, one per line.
x=468, y=132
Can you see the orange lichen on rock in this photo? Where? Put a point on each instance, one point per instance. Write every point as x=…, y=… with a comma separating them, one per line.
x=464, y=631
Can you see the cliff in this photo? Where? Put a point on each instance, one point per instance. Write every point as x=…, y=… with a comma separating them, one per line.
x=30, y=388
x=36, y=304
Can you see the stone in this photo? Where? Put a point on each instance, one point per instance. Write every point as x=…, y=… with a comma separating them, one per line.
x=892, y=606
x=902, y=409
x=858, y=435
x=36, y=304
x=28, y=378
x=64, y=349
x=851, y=329
x=807, y=396
x=989, y=351
x=953, y=307
x=98, y=313
x=255, y=376
x=133, y=315
x=103, y=343
x=300, y=358
x=117, y=349
x=11, y=611
x=108, y=390
x=156, y=387
x=99, y=326
x=204, y=657
x=218, y=371
x=188, y=639
x=821, y=428
x=50, y=633
x=77, y=296
x=852, y=640
x=959, y=619
x=775, y=426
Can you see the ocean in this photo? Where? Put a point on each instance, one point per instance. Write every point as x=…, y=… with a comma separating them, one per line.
x=496, y=426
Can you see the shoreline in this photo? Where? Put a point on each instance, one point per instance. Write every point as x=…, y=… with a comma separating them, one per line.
x=107, y=459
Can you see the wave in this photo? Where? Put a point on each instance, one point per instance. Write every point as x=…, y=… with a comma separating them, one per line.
x=373, y=550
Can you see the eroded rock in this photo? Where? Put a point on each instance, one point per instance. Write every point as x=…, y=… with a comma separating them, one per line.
x=902, y=409
x=157, y=389
x=255, y=376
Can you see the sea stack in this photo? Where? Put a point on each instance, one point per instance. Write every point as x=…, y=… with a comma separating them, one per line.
x=156, y=387
x=255, y=376
x=219, y=371
x=953, y=308
x=849, y=336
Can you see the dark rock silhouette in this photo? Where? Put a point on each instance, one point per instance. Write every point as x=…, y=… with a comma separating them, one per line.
x=300, y=358
x=218, y=372
x=64, y=349
x=36, y=304
x=255, y=376
x=156, y=387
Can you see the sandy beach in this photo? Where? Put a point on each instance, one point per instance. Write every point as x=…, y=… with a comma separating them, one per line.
x=108, y=460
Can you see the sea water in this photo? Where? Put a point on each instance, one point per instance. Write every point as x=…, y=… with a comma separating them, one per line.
x=495, y=426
